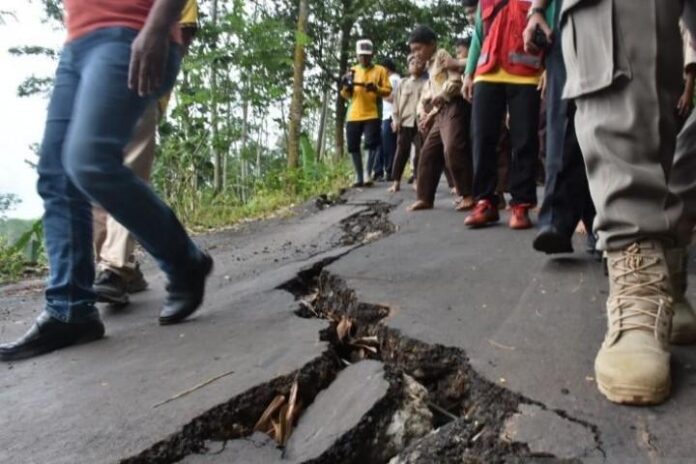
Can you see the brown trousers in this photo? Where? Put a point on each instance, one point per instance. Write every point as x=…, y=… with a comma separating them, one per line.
x=407, y=137
x=447, y=144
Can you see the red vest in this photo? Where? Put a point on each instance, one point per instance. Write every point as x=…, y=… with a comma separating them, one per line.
x=503, y=44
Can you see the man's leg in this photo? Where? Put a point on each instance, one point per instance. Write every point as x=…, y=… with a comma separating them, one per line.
x=388, y=147
x=354, y=130
x=430, y=166
x=115, y=258
x=373, y=142
x=682, y=184
x=523, y=105
x=70, y=315
x=627, y=132
x=403, y=153
x=488, y=111
x=455, y=129
x=567, y=196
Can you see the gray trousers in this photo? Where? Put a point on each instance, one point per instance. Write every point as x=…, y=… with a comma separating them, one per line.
x=625, y=72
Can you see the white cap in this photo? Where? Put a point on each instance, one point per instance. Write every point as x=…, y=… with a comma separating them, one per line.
x=364, y=47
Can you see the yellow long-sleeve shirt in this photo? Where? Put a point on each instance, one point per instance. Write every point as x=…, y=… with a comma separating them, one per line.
x=363, y=104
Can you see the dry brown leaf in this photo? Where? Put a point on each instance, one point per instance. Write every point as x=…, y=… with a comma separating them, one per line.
x=343, y=329
x=292, y=400
x=369, y=348
x=283, y=429
x=309, y=306
x=262, y=425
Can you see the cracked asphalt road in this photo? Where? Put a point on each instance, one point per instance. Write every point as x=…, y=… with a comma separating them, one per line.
x=529, y=323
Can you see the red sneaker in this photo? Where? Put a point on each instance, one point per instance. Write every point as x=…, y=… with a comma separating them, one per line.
x=519, y=219
x=484, y=213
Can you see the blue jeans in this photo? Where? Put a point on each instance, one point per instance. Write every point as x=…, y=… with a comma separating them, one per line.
x=91, y=117
x=388, y=150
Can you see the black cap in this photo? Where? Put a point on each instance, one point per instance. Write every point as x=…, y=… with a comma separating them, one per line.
x=422, y=35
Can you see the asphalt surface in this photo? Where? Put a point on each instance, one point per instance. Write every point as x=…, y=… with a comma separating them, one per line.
x=527, y=322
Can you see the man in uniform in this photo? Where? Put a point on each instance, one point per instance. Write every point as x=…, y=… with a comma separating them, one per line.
x=624, y=62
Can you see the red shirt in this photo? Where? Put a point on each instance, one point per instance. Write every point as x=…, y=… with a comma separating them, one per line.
x=85, y=16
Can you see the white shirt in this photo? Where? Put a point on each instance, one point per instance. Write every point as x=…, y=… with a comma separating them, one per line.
x=387, y=108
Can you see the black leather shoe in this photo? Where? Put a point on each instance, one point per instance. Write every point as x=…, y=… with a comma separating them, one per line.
x=185, y=295
x=551, y=241
x=111, y=288
x=49, y=334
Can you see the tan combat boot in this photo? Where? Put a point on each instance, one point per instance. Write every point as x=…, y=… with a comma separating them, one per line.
x=632, y=367
x=684, y=320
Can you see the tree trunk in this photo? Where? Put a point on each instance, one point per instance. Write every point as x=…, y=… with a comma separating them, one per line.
x=321, y=136
x=346, y=27
x=218, y=168
x=297, y=88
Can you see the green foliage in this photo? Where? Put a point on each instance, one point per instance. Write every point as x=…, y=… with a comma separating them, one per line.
x=7, y=202
x=11, y=263
x=279, y=189
x=21, y=248
x=34, y=85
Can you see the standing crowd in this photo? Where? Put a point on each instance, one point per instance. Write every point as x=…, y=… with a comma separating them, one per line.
x=607, y=81
x=592, y=94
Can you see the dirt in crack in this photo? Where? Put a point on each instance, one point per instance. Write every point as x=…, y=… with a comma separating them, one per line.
x=367, y=226
x=469, y=413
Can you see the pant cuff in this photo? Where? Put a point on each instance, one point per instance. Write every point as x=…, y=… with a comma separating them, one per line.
x=73, y=315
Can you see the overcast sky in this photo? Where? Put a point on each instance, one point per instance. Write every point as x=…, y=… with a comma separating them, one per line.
x=22, y=119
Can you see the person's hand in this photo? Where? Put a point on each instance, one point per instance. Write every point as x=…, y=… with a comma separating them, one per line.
x=536, y=20
x=468, y=88
x=438, y=101
x=371, y=87
x=450, y=63
x=686, y=104
x=541, y=87
x=396, y=126
x=148, y=61
x=424, y=123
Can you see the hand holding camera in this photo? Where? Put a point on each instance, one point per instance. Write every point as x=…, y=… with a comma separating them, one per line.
x=371, y=87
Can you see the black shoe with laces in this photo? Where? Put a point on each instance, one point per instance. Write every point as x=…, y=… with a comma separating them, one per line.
x=111, y=288
x=138, y=283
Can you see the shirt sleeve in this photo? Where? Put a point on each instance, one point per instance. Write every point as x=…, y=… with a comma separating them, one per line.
x=476, y=42
x=189, y=15
x=396, y=111
x=384, y=86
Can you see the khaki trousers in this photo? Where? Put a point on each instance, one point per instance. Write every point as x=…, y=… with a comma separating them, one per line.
x=113, y=244
x=624, y=61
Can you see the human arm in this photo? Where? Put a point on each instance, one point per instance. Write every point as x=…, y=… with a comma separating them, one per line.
x=150, y=48
x=384, y=87
x=537, y=20
x=396, y=110
x=476, y=42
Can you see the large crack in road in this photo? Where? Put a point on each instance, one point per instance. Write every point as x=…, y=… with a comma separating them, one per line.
x=435, y=406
